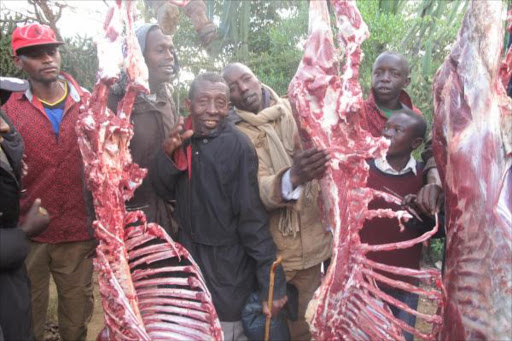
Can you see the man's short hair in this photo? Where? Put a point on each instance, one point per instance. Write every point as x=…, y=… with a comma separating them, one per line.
x=239, y=65
x=400, y=56
x=420, y=125
x=211, y=77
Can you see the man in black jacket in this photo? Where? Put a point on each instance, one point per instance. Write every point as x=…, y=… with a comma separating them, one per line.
x=210, y=171
x=15, y=314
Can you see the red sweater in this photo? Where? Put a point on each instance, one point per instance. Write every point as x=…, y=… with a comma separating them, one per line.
x=375, y=118
x=54, y=165
x=385, y=230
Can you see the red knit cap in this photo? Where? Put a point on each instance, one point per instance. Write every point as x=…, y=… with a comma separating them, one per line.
x=32, y=35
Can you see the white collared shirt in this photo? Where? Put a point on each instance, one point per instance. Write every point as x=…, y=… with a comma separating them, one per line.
x=287, y=190
x=383, y=165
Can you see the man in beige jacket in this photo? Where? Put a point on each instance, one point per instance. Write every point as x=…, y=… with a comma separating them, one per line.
x=287, y=181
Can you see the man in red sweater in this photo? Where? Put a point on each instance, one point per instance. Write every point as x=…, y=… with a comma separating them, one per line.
x=399, y=172
x=45, y=115
x=390, y=76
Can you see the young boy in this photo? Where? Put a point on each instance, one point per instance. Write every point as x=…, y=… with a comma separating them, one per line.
x=400, y=173
x=390, y=76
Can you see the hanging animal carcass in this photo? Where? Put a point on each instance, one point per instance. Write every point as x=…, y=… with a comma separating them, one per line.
x=150, y=286
x=327, y=99
x=473, y=149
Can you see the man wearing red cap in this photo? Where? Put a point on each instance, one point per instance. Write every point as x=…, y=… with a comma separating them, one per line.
x=45, y=115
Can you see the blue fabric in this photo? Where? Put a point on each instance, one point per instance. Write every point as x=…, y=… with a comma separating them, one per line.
x=409, y=299
x=55, y=114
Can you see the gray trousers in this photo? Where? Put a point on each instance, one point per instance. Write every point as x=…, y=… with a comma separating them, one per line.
x=233, y=331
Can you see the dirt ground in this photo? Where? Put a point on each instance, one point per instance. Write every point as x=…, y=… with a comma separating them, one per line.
x=426, y=307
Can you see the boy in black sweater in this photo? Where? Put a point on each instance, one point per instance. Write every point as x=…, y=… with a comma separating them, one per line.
x=400, y=173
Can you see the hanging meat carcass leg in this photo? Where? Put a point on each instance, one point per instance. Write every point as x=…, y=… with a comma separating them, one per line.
x=167, y=15
x=472, y=146
x=327, y=102
x=150, y=286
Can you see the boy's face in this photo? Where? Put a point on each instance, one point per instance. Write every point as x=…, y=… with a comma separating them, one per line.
x=400, y=130
x=389, y=76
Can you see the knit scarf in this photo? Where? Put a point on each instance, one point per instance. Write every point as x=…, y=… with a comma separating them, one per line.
x=280, y=149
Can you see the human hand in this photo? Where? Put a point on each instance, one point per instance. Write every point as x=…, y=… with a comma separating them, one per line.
x=36, y=220
x=176, y=138
x=308, y=165
x=277, y=305
x=429, y=199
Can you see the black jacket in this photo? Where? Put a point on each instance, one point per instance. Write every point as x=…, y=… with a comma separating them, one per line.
x=15, y=314
x=221, y=219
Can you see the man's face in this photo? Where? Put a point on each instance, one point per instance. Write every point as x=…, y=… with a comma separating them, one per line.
x=40, y=63
x=4, y=128
x=400, y=130
x=244, y=88
x=159, y=57
x=208, y=107
x=389, y=76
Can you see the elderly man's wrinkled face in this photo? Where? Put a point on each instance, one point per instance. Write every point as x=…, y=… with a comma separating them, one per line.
x=159, y=56
x=244, y=88
x=208, y=107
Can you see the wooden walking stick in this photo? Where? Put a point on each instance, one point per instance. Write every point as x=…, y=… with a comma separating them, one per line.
x=271, y=295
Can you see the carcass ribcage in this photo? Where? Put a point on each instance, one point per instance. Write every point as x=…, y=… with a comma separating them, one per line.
x=151, y=288
x=327, y=102
x=472, y=146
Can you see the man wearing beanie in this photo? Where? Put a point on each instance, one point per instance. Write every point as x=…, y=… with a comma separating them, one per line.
x=45, y=115
x=153, y=116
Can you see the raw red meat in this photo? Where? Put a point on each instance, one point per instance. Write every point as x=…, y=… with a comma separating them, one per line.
x=327, y=101
x=167, y=14
x=150, y=286
x=473, y=150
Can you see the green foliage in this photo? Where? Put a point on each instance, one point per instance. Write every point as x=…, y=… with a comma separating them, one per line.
x=79, y=58
x=385, y=29
x=434, y=252
x=6, y=63
x=277, y=66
